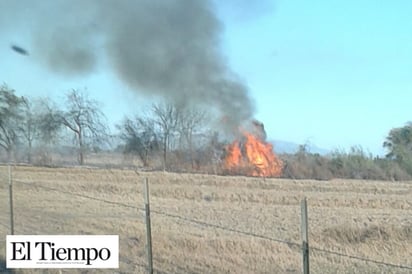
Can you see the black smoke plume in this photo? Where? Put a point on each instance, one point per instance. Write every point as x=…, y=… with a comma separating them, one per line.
x=169, y=48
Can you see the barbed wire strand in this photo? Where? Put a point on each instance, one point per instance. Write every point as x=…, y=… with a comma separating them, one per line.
x=359, y=258
x=5, y=225
x=205, y=224
x=80, y=195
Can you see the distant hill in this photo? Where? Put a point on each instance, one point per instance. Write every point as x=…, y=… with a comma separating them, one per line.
x=290, y=148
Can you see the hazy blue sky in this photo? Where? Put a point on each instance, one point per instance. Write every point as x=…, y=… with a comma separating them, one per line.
x=331, y=73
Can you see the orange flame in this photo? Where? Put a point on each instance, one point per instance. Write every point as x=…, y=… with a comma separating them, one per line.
x=257, y=159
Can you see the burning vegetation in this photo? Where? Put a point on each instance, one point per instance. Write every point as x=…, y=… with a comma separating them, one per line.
x=251, y=155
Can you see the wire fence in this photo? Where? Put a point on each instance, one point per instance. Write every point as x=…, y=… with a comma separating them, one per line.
x=78, y=195
x=205, y=224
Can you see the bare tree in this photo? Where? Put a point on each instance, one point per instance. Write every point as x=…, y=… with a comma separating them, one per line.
x=191, y=122
x=140, y=137
x=40, y=126
x=85, y=120
x=168, y=123
x=166, y=117
x=29, y=126
x=49, y=119
x=10, y=115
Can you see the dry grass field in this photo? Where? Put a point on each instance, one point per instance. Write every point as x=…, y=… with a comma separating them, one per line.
x=370, y=219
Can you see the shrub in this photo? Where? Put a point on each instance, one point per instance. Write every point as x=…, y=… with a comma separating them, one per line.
x=355, y=164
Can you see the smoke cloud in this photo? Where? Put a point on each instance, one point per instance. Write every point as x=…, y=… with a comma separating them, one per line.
x=167, y=48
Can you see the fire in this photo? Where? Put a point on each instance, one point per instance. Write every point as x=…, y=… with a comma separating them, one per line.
x=252, y=156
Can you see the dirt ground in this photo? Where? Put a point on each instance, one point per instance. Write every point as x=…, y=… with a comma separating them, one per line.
x=216, y=224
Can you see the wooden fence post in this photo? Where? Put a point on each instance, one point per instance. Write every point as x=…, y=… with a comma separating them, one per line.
x=148, y=227
x=304, y=230
x=11, y=202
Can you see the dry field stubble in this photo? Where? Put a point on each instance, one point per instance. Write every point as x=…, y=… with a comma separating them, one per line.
x=365, y=218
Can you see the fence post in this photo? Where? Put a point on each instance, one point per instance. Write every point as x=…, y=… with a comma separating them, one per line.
x=148, y=227
x=11, y=202
x=304, y=230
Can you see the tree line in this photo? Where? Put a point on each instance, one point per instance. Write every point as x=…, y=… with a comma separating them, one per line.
x=28, y=122
x=169, y=136
x=25, y=122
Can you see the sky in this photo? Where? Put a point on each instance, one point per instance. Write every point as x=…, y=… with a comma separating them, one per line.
x=334, y=74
